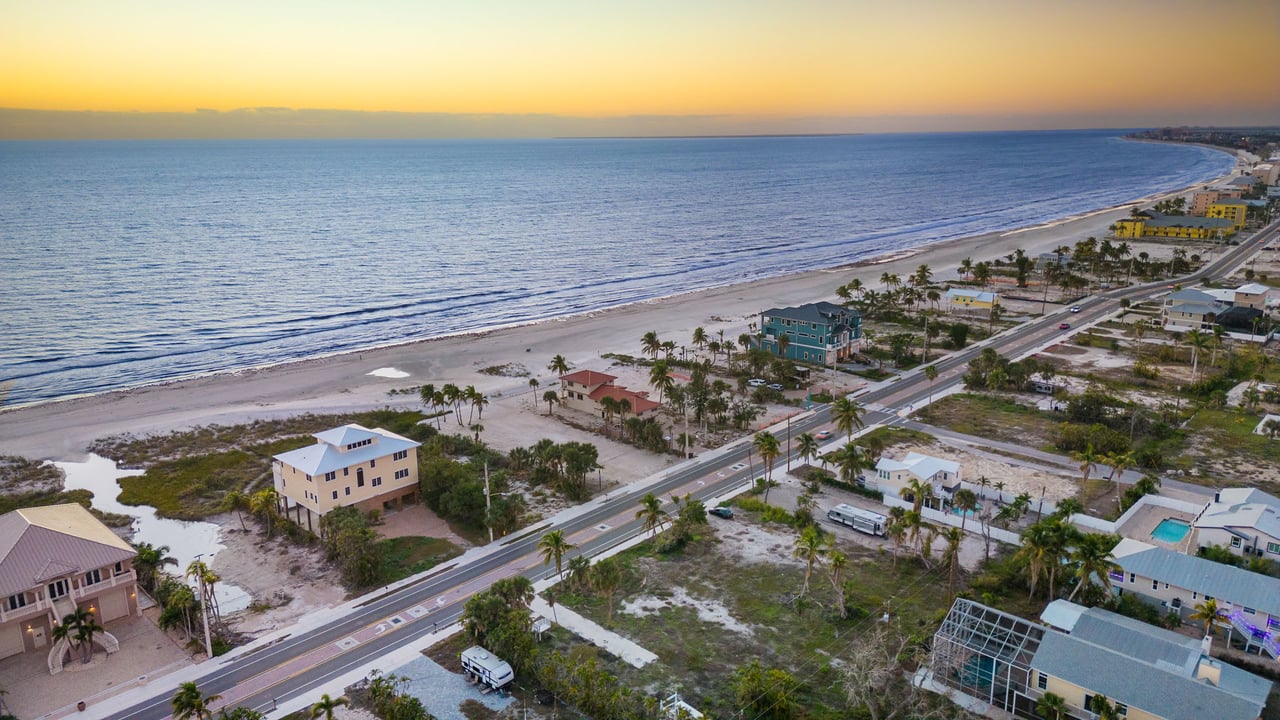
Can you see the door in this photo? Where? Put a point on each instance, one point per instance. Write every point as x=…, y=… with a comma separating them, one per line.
x=37, y=636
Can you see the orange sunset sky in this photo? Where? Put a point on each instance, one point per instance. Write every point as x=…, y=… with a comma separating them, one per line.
x=416, y=68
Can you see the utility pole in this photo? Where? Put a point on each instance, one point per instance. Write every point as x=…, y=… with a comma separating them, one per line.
x=204, y=613
x=487, y=503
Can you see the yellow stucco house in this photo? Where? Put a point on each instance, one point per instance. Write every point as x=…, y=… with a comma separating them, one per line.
x=1233, y=209
x=349, y=465
x=1186, y=227
x=965, y=298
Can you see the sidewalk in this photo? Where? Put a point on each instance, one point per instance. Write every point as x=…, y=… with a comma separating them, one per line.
x=601, y=637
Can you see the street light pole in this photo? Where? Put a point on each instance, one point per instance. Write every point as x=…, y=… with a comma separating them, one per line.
x=487, y=502
x=204, y=612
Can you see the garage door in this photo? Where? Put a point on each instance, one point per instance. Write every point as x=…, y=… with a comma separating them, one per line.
x=11, y=641
x=114, y=605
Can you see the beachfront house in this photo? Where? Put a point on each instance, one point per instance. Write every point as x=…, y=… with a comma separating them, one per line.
x=1249, y=601
x=1267, y=173
x=1150, y=223
x=348, y=466
x=1009, y=663
x=1253, y=295
x=1244, y=520
x=821, y=333
x=892, y=476
x=53, y=560
x=968, y=298
x=1232, y=209
x=584, y=390
x=1190, y=309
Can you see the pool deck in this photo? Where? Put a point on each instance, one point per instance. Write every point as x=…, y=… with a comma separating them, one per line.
x=1139, y=526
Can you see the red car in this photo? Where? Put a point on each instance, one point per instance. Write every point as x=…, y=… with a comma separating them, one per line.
x=1064, y=326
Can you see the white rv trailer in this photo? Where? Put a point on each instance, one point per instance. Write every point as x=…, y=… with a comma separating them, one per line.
x=871, y=523
x=482, y=666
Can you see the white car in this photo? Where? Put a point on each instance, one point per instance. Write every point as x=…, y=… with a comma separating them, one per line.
x=1075, y=309
x=775, y=386
x=755, y=382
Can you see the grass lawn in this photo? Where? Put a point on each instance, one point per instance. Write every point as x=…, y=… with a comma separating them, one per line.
x=700, y=655
x=405, y=556
x=993, y=417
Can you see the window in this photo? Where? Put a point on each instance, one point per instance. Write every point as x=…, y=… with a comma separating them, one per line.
x=93, y=577
x=1235, y=542
x=373, y=463
x=361, y=443
x=335, y=494
x=1042, y=681
x=330, y=476
x=1176, y=603
x=57, y=589
x=402, y=473
x=348, y=490
x=360, y=481
x=1273, y=548
x=1122, y=710
x=1132, y=577
x=1249, y=611
x=376, y=482
x=16, y=601
x=1155, y=584
x=119, y=568
x=400, y=455
x=346, y=471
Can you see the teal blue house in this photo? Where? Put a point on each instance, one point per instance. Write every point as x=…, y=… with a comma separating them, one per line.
x=821, y=333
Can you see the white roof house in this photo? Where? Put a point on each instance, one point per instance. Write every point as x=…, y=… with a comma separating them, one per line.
x=345, y=446
x=969, y=296
x=924, y=467
x=1246, y=520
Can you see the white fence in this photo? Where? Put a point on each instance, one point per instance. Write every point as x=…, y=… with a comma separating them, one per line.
x=972, y=524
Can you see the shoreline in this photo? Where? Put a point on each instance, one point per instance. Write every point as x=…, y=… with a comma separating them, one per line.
x=340, y=382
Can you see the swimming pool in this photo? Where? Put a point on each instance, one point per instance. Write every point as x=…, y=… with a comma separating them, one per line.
x=1170, y=530
x=966, y=513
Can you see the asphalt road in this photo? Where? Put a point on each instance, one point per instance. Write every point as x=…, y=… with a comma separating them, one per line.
x=405, y=615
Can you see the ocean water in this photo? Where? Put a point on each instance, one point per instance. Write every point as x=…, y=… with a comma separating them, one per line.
x=124, y=263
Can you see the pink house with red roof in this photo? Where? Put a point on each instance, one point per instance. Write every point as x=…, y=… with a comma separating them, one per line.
x=584, y=389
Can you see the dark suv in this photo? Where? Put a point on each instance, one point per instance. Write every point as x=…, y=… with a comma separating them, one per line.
x=722, y=512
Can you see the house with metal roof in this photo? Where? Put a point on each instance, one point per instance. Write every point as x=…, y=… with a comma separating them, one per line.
x=1244, y=520
x=1144, y=671
x=892, y=476
x=352, y=465
x=1188, y=227
x=54, y=560
x=1249, y=601
x=820, y=333
x=1253, y=295
x=1190, y=309
x=966, y=298
x=1008, y=663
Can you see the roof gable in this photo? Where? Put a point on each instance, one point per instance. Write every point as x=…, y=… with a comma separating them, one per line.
x=39, y=544
x=588, y=377
x=325, y=457
x=346, y=435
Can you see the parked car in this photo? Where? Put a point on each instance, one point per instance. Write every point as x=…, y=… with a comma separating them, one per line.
x=775, y=386
x=823, y=434
x=722, y=512
x=1075, y=309
x=1064, y=326
x=755, y=382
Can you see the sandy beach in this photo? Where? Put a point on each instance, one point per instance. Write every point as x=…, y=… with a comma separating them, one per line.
x=62, y=430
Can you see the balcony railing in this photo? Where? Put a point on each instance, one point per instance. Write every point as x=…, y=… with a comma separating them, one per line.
x=121, y=579
x=80, y=591
x=30, y=610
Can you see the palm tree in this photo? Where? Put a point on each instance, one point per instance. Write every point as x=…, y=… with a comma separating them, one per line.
x=836, y=563
x=148, y=562
x=1119, y=462
x=807, y=447
x=699, y=339
x=237, y=502
x=896, y=530
x=1208, y=613
x=966, y=268
x=918, y=489
x=65, y=630
x=558, y=365
x=810, y=547
x=766, y=444
x=848, y=416
x=550, y=398
x=951, y=556
x=660, y=378
x=652, y=513
x=1093, y=559
x=1043, y=545
x=1199, y=342
x=1066, y=508
x=553, y=547
x=1088, y=460
x=851, y=460
x=606, y=577
x=930, y=374
x=1105, y=709
x=198, y=570
x=325, y=707
x=650, y=344
x=85, y=629
x=190, y=704
x=1051, y=707
x=264, y=504
x=966, y=501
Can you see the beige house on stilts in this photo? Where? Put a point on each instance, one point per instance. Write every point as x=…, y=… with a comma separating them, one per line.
x=349, y=466
x=53, y=560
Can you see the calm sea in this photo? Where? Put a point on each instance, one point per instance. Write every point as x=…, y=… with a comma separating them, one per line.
x=124, y=263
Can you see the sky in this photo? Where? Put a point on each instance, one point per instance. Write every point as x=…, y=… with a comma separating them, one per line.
x=537, y=68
